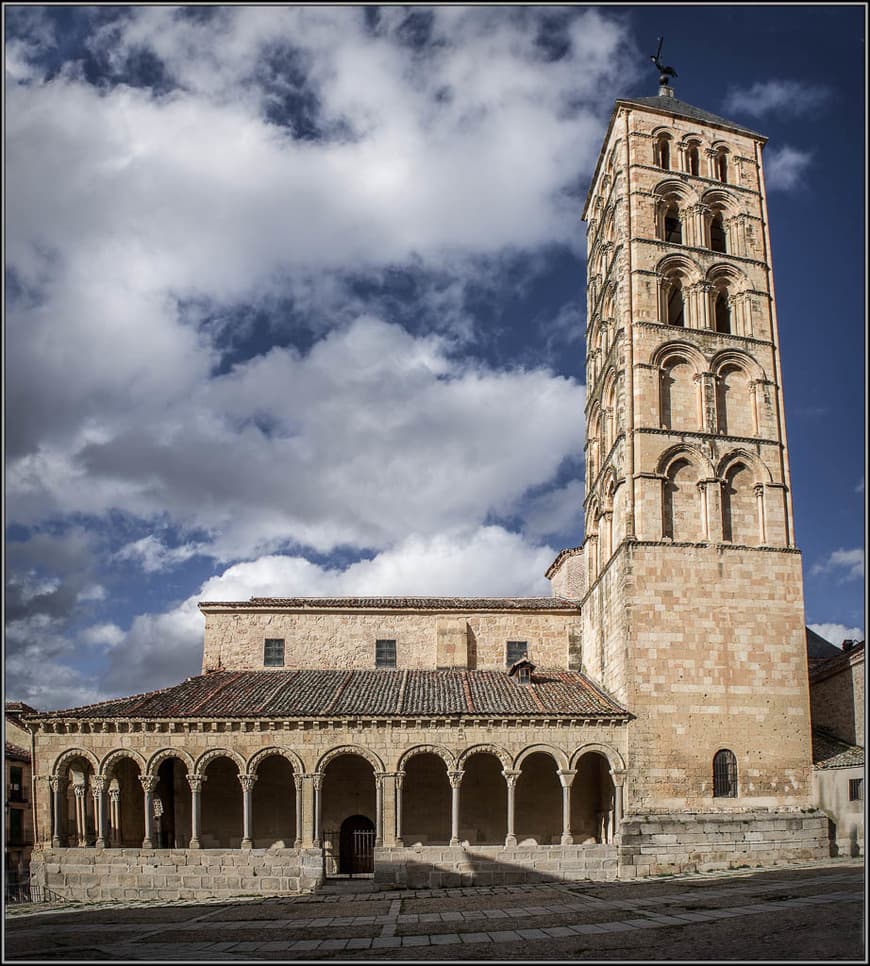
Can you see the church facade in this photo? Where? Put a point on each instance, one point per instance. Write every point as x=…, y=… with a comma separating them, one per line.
x=651, y=716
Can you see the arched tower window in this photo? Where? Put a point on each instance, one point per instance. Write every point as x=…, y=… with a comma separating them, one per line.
x=721, y=165
x=662, y=152
x=717, y=233
x=740, y=523
x=724, y=774
x=682, y=507
x=722, y=311
x=673, y=227
x=675, y=309
x=693, y=164
x=679, y=395
x=734, y=405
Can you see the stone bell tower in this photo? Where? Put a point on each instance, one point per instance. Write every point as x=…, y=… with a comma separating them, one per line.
x=689, y=580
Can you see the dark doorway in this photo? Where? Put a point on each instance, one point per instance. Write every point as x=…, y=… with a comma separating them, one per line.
x=356, y=846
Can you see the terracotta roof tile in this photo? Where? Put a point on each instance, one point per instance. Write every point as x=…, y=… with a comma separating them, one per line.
x=829, y=751
x=398, y=603
x=381, y=692
x=16, y=752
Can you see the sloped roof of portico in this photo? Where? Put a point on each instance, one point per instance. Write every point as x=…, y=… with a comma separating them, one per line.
x=361, y=693
x=395, y=603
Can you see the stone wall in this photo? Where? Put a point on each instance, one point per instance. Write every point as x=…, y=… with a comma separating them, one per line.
x=837, y=696
x=831, y=794
x=433, y=867
x=656, y=844
x=346, y=639
x=100, y=874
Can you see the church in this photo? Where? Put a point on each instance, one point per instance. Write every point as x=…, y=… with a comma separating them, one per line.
x=651, y=716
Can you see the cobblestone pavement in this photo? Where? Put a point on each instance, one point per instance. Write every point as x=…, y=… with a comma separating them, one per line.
x=812, y=913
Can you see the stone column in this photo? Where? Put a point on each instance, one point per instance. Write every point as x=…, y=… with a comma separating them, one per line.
x=98, y=789
x=713, y=495
x=195, y=782
x=54, y=783
x=455, y=781
x=762, y=523
x=298, y=781
x=400, y=777
x=510, y=778
x=317, y=783
x=618, y=778
x=389, y=795
x=705, y=520
x=708, y=401
x=379, y=807
x=114, y=812
x=79, y=792
x=566, y=779
x=308, y=819
x=149, y=782
x=247, y=783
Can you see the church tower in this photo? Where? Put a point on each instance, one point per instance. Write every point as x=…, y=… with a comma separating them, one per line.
x=689, y=579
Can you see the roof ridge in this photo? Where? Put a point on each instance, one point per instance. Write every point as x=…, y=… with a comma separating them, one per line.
x=400, y=700
x=283, y=680
x=466, y=687
x=215, y=693
x=342, y=687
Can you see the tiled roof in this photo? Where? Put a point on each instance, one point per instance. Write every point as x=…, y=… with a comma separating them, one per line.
x=829, y=751
x=819, y=649
x=398, y=603
x=380, y=693
x=16, y=752
x=819, y=670
x=560, y=556
x=673, y=105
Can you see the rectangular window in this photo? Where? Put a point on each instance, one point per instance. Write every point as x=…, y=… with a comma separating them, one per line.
x=15, y=779
x=515, y=650
x=15, y=826
x=856, y=789
x=273, y=652
x=385, y=653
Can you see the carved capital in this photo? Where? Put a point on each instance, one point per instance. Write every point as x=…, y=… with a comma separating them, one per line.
x=455, y=777
x=149, y=782
x=247, y=782
x=98, y=786
x=298, y=781
x=566, y=776
x=511, y=777
x=53, y=782
x=79, y=790
x=195, y=782
x=115, y=795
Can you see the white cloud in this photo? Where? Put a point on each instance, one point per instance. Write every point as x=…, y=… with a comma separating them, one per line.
x=784, y=167
x=785, y=98
x=154, y=556
x=850, y=561
x=102, y=635
x=837, y=633
x=161, y=649
x=371, y=435
x=860, y=487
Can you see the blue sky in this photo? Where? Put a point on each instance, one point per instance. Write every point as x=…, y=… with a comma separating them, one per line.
x=295, y=303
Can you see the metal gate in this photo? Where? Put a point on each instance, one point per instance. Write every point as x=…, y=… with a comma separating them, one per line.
x=349, y=851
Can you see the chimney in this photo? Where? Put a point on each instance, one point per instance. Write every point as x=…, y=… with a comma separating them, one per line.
x=848, y=645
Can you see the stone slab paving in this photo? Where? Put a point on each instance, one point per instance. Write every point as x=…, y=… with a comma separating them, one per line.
x=556, y=915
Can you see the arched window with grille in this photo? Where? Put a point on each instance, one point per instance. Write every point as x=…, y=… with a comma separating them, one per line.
x=724, y=774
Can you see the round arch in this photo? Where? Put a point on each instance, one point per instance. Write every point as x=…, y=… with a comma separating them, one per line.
x=719, y=198
x=556, y=754
x=677, y=263
x=678, y=349
x=614, y=759
x=734, y=357
x=209, y=756
x=682, y=451
x=157, y=759
x=256, y=760
x=334, y=753
x=499, y=753
x=743, y=456
x=63, y=759
x=443, y=753
x=674, y=188
x=109, y=761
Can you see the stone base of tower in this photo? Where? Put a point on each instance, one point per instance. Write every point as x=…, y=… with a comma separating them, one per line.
x=705, y=644
x=661, y=843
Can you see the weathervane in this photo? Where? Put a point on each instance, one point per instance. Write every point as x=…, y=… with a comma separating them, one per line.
x=664, y=71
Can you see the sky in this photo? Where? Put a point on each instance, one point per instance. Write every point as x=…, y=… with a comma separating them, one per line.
x=294, y=303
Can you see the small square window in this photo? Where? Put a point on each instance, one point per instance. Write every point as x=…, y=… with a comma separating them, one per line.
x=385, y=653
x=856, y=789
x=273, y=652
x=515, y=651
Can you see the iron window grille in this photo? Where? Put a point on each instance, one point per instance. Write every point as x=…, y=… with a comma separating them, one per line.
x=856, y=789
x=385, y=653
x=724, y=774
x=273, y=652
x=515, y=651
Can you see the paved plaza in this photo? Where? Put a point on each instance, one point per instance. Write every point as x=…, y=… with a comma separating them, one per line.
x=812, y=913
